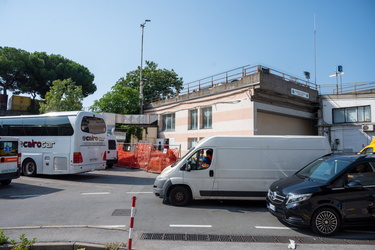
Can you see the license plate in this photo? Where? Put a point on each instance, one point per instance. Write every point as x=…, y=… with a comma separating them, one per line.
x=272, y=207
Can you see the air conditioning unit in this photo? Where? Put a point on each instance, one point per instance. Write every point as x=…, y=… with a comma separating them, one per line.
x=367, y=128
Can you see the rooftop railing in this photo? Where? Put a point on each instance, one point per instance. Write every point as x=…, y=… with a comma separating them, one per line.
x=345, y=88
x=236, y=75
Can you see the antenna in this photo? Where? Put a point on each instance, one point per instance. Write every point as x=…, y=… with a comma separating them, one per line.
x=315, y=47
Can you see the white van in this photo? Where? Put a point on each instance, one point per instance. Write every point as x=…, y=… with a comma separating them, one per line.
x=241, y=167
x=9, y=159
x=111, y=154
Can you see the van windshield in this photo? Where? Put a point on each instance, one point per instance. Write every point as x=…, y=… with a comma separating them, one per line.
x=184, y=157
x=325, y=168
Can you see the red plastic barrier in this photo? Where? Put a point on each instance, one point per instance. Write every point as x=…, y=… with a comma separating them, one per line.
x=147, y=157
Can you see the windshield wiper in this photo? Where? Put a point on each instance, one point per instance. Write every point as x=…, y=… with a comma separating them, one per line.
x=301, y=176
x=305, y=177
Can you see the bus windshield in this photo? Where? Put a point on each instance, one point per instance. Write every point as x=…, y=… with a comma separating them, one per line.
x=93, y=125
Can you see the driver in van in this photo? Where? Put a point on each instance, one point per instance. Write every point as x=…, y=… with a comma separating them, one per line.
x=206, y=161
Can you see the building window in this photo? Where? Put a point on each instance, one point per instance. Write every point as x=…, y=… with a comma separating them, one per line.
x=352, y=114
x=193, y=119
x=206, y=117
x=192, y=142
x=168, y=122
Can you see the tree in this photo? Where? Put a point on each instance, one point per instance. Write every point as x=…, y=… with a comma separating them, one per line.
x=44, y=69
x=157, y=83
x=33, y=73
x=63, y=96
x=124, y=95
x=13, y=68
x=120, y=100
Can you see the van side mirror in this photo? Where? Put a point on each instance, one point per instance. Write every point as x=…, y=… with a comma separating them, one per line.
x=354, y=185
x=188, y=166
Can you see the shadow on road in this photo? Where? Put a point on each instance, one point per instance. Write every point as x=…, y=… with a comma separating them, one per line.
x=25, y=191
x=109, y=176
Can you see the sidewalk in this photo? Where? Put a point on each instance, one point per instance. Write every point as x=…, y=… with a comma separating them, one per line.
x=93, y=238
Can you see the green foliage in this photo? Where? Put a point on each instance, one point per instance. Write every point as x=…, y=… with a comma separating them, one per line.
x=13, y=68
x=124, y=95
x=135, y=131
x=34, y=73
x=120, y=100
x=3, y=237
x=114, y=246
x=157, y=83
x=63, y=96
x=25, y=243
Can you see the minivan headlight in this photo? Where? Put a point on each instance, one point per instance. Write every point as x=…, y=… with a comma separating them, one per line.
x=294, y=198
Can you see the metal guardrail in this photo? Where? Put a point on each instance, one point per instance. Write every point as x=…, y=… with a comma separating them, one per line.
x=236, y=75
x=345, y=88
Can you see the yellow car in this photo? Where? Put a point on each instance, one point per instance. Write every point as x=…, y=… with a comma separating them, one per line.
x=370, y=149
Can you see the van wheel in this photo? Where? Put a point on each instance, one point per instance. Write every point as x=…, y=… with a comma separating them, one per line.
x=29, y=167
x=6, y=182
x=325, y=222
x=179, y=196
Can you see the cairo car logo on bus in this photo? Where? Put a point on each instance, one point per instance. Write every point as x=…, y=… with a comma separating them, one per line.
x=92, y=138
x=37, y=144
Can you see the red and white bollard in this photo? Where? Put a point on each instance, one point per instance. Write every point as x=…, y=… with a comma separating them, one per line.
x=132, y=213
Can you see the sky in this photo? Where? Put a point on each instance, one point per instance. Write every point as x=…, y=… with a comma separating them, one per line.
x=198, y=38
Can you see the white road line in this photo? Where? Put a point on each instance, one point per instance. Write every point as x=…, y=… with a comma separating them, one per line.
x=277, y=228
x=190, y=226
x=95, y=193
x=139, y=192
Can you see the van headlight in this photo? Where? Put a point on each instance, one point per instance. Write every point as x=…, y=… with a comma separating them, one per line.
x=294, y=198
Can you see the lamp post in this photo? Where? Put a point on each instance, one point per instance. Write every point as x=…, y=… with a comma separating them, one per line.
x=140, y=74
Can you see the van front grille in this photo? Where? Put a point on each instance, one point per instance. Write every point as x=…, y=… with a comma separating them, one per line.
x=276, y=197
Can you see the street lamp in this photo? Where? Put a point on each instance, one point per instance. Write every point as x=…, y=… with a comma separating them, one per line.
x=140, y=74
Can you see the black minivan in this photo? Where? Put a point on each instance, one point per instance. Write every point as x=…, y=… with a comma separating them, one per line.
x=329, y=193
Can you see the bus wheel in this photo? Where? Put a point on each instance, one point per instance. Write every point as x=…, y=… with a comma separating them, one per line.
x=29, y=167
x=179, y=196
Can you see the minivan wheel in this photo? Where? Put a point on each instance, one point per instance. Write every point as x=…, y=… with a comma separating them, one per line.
x=325, y=222
x=5, y=182
x=179, y=196
x=29, y=167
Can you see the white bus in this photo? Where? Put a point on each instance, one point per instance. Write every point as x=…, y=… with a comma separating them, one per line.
x=59, y=142
x=9, y=159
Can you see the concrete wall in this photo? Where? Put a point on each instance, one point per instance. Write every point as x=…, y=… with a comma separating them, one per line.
x=347, y=137
x=232, y=114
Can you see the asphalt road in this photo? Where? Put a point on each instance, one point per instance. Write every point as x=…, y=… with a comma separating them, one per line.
x=95, y=208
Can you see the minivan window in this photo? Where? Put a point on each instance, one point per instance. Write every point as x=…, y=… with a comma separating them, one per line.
x=324, y=169
x=201, y=159
x=363, y=173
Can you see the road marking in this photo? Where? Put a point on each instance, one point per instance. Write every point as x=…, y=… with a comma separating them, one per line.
x=139, y=192
x=190, y=226
x=277, y=228
x=95, y=193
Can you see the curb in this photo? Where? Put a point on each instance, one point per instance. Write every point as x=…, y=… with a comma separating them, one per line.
x=62, y=246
